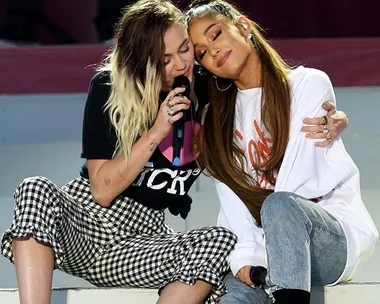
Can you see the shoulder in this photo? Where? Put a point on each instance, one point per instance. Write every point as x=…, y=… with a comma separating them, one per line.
x=310, y=88
x=302, y=78
x=101, y=78
x=99, y=89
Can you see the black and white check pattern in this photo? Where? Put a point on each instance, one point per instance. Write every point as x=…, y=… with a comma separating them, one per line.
x=126, y=244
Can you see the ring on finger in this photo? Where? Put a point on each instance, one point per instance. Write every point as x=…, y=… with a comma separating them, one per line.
x=325, y=129
x=324, y=120
x=170, y=111
x=328, y=135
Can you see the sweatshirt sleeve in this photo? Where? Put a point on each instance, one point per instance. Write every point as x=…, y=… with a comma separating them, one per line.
x=308, y=170
x=234, y=215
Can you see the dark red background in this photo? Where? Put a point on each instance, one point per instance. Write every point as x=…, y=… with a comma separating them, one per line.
x=65, y=69
x=282, y=19
x=349, y=62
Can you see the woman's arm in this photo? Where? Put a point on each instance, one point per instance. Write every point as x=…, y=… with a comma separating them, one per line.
x=306, y=170
x=336, y=123
x=234, y=215
x=110, y=176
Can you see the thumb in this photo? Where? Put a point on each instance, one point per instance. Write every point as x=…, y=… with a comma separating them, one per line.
x=327, y=105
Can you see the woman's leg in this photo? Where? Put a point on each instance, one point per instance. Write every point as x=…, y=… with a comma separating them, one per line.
x=178, y=292
x=34, y=267
x=305, y=244
x=185, y=267
x=126, y=244
x=35, y=264
x=50, y=229
x=241, y=293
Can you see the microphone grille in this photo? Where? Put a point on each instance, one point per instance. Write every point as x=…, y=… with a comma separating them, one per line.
x=181, y=81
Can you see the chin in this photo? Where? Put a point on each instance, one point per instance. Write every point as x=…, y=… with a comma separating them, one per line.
x=166, y=87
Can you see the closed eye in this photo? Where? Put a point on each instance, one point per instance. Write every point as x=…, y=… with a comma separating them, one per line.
x=200, y=56
x=217, y=35
x=185, y=50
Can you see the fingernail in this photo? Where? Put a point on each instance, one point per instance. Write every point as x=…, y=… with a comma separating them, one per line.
x=304, y=120
x=307, y=135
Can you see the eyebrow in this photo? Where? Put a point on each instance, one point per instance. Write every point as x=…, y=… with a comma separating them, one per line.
x=206, y=31
x=180, y=47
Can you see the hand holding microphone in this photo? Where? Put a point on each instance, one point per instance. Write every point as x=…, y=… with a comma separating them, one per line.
x=171, y=110
x=253, y=275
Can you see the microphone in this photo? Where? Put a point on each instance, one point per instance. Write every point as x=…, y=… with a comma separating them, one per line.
x=258, y=275
x=179, y=126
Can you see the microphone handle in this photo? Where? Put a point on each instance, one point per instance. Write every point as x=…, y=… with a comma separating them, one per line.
x=178, y=137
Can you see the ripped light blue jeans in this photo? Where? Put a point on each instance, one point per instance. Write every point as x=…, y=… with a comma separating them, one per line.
x=305, y=246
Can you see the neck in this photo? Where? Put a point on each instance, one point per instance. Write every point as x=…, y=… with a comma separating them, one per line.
x=250, y=75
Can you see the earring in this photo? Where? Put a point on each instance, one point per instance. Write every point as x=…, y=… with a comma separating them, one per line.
x=254, y=41
x=217, y=85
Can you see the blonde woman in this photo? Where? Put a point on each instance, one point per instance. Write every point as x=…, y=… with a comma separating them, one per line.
x=108, y=225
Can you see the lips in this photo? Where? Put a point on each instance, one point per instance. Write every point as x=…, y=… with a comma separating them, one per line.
x=188, y=74
x=185, y=74
x=223, y=59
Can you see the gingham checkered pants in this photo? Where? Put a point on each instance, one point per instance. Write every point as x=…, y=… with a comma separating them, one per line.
x=126, y=244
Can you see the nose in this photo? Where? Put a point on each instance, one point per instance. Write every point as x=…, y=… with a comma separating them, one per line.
x=180, y=64
x=214, y=52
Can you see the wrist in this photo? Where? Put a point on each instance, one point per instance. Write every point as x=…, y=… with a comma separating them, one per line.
x=153, y=137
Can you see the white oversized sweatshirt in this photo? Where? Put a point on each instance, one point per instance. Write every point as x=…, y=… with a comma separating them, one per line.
x=306, y=170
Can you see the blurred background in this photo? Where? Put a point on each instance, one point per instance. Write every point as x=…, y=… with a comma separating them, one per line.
x=91, y=21
x=48, y=49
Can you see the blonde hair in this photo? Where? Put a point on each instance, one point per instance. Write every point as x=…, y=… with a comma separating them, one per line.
x=136, y=68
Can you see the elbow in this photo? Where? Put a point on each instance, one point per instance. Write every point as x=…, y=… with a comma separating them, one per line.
x=100, y=197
